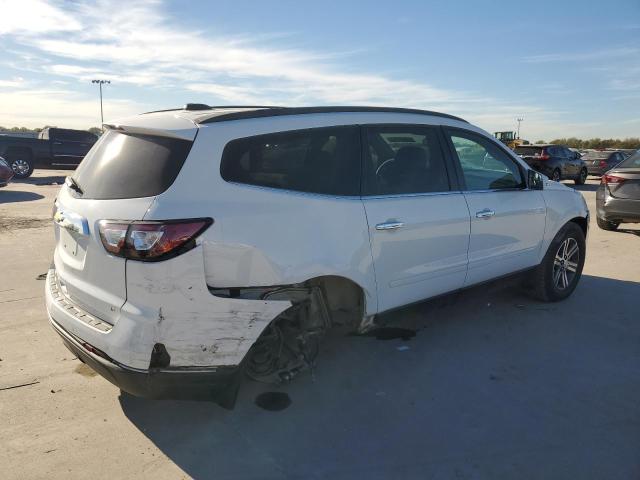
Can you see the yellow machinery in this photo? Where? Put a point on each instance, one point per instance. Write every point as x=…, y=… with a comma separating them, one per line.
x=510, y=139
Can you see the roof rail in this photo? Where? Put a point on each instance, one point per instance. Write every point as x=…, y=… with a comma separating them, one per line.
x=280, y=111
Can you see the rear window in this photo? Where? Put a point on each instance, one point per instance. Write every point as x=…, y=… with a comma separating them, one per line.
x=528, y=151
x=319, y=160
x=122, y=165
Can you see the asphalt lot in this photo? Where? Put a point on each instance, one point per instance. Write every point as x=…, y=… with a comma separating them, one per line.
x=494, y=385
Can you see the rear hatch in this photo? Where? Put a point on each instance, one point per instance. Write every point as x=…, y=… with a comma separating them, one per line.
x=118, y=180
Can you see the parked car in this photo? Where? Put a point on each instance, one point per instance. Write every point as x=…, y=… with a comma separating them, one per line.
x=54, y=148
x=6, y=174
x=228, y=240
x=618, y=196
x=600, y=161
x=555, y=161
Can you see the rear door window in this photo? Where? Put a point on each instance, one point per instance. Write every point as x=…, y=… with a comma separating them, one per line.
x=318, y=160
x=403, y=159
x=122, y=165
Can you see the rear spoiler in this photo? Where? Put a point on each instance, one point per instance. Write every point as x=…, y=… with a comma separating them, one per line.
x=185, y=134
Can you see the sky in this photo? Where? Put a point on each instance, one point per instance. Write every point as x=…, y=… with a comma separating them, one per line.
x=568, y=68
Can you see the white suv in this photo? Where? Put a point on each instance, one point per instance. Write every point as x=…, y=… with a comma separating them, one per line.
x=197, y=243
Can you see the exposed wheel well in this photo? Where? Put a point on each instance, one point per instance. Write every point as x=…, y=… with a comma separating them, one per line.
x=345, y=298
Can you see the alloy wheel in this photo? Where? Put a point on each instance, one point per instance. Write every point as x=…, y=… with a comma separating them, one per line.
x=20, y=167
x=565, y=264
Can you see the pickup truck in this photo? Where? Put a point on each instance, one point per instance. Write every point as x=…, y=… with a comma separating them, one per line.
x=54, y=148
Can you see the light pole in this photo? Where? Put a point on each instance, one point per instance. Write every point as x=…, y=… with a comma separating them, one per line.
x=519, y=120
x=100, y=83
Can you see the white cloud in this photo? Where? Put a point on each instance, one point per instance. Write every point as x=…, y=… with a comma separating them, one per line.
x=36, y=108
x=12, y=83
x=34, y=17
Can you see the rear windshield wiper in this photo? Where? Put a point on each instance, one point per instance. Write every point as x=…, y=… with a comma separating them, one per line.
x=73, y=185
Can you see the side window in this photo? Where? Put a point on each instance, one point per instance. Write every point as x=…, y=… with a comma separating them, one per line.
x=320, y=160
x=569, y=153
x=403, y=159
x=484, y=165
x=556, y=152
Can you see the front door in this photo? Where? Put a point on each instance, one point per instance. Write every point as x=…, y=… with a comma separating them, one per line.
x=507, y=219
x=418, y=227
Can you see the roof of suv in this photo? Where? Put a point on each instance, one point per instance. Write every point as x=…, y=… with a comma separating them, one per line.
x=201, y=113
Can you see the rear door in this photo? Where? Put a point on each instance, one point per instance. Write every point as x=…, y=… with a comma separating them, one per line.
x=418, y=225
x=507, y=219
x=573, y=161
x=118, y=180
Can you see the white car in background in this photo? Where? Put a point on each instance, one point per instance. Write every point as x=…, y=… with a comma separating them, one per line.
x=198, y=243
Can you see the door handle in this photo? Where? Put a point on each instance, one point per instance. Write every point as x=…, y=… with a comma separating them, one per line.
x=389, y=226
x=57, y=143
x=486, y=213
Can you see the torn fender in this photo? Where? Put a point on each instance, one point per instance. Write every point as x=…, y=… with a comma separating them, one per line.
x=198, y=329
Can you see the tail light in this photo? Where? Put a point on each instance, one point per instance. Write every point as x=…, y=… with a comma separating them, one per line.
x=612, y=179
x=603, y=164
x=151, y=241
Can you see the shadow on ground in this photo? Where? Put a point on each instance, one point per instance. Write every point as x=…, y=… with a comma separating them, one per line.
x=494, y=385
x=12, y=196
x=632, y=231
x=49, y=180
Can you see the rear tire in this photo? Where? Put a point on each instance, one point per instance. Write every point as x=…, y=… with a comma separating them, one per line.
x=559, y=272
x=21, y=162
x=582, y=177
x=606, y=225
x=555, y=175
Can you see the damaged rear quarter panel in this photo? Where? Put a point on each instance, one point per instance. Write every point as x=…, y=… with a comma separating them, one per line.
x=198, y=329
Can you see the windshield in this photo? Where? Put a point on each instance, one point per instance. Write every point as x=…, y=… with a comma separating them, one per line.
x=122, y=165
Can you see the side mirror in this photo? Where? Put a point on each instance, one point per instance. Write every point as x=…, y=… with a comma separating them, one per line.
x=536, y=182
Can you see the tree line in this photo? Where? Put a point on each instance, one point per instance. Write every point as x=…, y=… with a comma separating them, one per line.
x=94, y=130
x=573, y=142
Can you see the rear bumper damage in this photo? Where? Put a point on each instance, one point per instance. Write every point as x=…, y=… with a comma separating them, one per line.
x=172, y=338
x=219, y=384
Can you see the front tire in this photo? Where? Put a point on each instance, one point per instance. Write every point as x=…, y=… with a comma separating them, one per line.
x=559, y=272
x=606, y=225
x=21, y=163
x=582, y=177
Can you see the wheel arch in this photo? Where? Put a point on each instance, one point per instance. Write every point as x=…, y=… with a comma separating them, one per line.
x=582, y=222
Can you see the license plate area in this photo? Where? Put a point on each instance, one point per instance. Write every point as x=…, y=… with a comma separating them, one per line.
x=68, y=242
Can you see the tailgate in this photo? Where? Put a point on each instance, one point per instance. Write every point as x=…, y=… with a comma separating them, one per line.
x=117, y=180
x=86, y=273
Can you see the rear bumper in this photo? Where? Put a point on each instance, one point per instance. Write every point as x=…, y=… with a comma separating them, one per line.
x=218, y=384
x=595, y=171
x=614, y=209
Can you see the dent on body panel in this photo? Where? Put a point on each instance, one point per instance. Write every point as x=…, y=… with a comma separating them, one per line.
x=197, y=328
